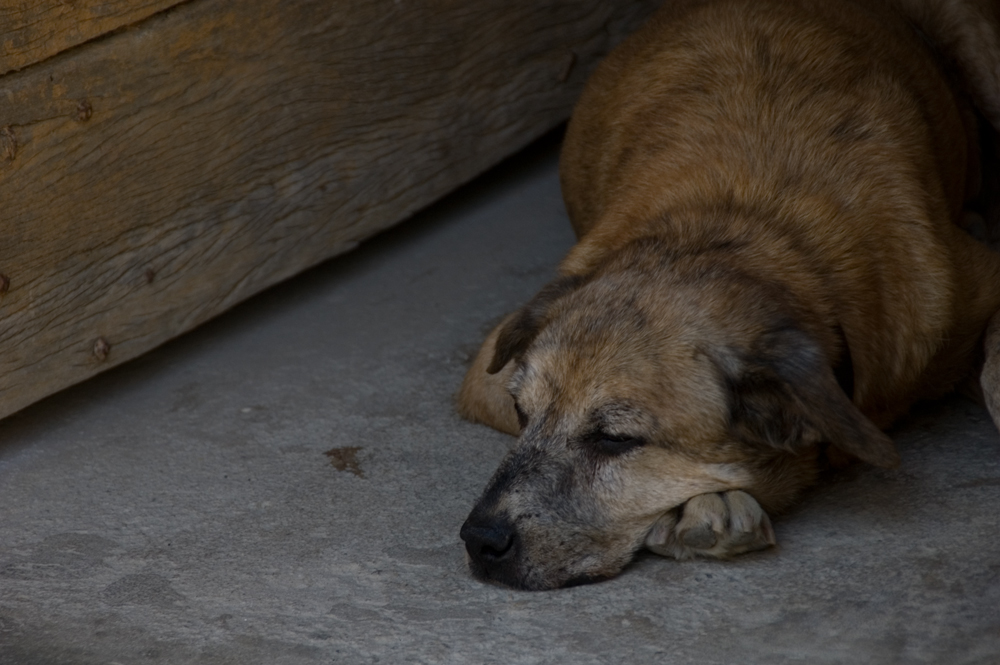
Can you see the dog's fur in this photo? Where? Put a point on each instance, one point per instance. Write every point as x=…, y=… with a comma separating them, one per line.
x=768, y=196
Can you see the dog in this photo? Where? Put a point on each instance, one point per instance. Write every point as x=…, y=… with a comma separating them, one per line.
x=769, y=198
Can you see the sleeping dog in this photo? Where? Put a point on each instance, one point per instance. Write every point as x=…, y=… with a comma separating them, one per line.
x=770, y=199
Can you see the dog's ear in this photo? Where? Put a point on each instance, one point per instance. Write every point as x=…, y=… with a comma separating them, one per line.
x=783, y=394
x=520, y=332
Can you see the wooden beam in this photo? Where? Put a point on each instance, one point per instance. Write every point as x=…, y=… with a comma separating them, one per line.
x=35, y=30
x=152, y=179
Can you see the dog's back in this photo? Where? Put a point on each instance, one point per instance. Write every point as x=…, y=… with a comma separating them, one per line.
x=782, y=100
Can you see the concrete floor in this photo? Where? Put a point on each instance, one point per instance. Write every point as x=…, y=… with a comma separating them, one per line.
x=286, y=485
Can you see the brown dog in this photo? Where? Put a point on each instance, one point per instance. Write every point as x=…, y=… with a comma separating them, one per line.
x=768, y=197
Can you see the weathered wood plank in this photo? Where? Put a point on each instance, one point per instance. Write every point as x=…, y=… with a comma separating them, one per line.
x=152, y=179
x=33, y=30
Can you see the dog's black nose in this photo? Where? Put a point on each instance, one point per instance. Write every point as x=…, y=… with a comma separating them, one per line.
x=490, y=542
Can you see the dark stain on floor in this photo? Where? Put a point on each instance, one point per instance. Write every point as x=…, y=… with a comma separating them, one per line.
x=346, y=459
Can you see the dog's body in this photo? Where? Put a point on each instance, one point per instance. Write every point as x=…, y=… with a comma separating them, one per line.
x=768, y=198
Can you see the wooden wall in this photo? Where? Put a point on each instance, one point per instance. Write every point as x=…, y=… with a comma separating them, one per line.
x=161, y=161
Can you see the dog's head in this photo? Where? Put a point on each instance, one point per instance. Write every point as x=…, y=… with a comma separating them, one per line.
x=648, y=382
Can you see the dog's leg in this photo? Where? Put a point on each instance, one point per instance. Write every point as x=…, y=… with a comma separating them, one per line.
x=712, y=525
x=483, y=397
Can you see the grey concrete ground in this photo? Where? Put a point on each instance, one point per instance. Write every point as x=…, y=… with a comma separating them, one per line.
x=184, y=508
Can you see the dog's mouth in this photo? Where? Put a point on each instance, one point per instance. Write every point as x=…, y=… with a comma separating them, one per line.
x=525, y=578
x=498, y=553
x=514, y=578
x=581, y=580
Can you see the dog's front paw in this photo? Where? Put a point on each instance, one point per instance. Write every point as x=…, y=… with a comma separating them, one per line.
x=713, y=525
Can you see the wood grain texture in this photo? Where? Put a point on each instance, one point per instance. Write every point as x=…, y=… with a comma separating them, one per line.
x=34, y=30
x=152, y=179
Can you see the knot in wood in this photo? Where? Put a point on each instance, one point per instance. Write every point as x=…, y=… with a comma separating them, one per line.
x=84, y=110
x=4, y=284
x=101, y=349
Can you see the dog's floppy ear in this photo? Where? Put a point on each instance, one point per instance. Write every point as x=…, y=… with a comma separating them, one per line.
x=520, y=332
x=783, y=393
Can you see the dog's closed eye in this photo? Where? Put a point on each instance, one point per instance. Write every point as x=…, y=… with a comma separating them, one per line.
x=612, y=445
